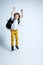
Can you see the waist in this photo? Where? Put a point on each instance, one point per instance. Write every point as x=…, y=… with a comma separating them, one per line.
x=14, y=30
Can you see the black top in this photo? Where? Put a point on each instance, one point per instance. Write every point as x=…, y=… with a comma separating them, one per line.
x=10, y=22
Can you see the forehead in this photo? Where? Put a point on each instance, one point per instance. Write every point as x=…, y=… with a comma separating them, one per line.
x=16, y=14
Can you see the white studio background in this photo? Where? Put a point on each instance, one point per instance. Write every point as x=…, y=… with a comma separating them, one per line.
x=30, y=33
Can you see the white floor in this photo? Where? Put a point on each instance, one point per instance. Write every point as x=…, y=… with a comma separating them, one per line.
x=30, y=34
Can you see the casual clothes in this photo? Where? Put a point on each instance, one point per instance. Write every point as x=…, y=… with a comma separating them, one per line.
x=14, y=33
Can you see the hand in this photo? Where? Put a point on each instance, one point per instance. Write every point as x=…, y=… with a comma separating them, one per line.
x=21, y=10
x=13, y=8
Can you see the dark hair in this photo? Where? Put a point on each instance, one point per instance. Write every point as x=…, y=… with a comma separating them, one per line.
x=18, y=18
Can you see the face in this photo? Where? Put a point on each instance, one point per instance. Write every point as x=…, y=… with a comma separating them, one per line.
x=16, y=16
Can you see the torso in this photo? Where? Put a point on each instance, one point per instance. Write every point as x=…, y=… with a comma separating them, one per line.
x=14, y=25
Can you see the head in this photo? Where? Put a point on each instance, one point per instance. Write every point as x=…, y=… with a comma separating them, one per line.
x=17, y=16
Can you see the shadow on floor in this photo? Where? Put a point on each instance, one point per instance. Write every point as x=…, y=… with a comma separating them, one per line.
x=3, y=44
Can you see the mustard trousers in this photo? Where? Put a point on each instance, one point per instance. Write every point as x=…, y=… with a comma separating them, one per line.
x=14, y=33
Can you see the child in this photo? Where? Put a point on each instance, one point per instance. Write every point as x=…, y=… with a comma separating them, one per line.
x=14, y=22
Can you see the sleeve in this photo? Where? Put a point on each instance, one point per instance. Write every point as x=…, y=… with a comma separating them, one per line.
x=12, y=17
x=21, y=21
x=12, y=14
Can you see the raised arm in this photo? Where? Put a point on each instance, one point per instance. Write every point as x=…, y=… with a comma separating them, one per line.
x=21, y=13
x=13, y=11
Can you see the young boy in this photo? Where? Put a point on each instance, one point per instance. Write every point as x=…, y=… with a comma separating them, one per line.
x=15, y=21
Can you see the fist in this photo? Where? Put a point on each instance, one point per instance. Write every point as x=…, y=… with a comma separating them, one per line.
x=21, y=10
x=13, y=8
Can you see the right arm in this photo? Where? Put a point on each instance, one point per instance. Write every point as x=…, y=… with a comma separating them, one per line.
x=13, y=11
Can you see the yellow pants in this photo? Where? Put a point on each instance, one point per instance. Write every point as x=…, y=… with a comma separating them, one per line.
x=14, y=33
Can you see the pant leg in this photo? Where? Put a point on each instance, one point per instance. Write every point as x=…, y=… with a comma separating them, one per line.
x=16, y=36
x=12, y=38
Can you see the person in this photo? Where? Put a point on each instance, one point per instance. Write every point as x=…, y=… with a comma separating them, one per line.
x=15, y=19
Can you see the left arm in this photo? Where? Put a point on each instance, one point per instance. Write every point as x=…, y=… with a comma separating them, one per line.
x=21, y=13
x=13, y=11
